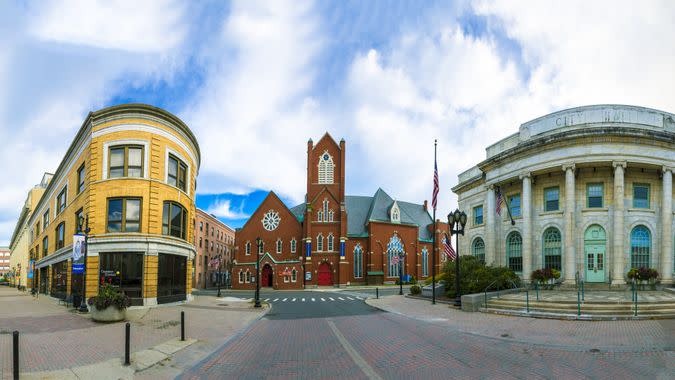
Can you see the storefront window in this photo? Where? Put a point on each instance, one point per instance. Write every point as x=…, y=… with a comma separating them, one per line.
x=171, y=278
x=125, y=272
x=59, y=280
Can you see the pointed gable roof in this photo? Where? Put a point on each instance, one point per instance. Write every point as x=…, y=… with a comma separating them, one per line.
x=271, y=196
x=326, y=136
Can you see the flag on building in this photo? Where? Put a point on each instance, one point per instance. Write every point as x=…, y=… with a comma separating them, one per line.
x=500, y=200
x=394, y=259
x=434, y=198
x=447, y=249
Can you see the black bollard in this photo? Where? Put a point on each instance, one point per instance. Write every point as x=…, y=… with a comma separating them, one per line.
x=127, y=344
x=377, y=293
x=182, y=325
x=15, y=349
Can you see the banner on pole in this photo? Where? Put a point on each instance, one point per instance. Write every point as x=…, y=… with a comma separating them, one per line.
x=31, y=266
x=78, y=253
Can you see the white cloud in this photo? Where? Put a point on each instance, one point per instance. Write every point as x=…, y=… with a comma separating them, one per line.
x=223, y=209
x=139, y=26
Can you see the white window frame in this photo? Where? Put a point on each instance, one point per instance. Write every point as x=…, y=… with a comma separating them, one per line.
x=327, y=173
x=319, y=243
x=331, y=245
x=294, y=245
x=294, y=275
x=241, y=276
x=247, y=248
x=330, y=215
x=279, y=246
x=325, y=210
x=188, y=182
x=146, y=154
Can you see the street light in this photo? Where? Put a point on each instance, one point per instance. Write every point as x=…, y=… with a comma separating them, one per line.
x=82, y=222
x=258, y=242
x=220, y=266
x=456, y=223
x=401, y=255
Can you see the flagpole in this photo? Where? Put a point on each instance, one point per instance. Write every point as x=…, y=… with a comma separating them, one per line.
x=433, y=257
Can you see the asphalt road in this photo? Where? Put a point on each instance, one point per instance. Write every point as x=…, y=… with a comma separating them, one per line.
x=347, y=339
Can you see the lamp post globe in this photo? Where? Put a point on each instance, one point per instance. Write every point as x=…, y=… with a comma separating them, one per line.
x=258, y=242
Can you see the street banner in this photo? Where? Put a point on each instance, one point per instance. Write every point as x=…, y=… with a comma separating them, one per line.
x=31, y=266
x=78, y=253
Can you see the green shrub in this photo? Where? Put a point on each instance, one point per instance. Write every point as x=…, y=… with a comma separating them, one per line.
x=109, y=296
x=475, y=276
x=415, y=289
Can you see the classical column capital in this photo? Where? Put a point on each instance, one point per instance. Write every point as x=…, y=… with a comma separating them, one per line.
x=616, y=164
x=491, y=186
x=667, y=169
x=568, y=166
x=524, y=175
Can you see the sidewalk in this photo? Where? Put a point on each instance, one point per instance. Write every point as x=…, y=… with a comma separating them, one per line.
x=612, y=336
x=55, y=338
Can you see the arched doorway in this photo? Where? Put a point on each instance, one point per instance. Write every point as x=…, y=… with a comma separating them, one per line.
x=267, y=276
x=325, y=277
x=594, y=253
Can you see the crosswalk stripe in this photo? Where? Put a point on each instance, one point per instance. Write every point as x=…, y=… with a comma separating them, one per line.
x=350, y=298
x=323, y=299
x=303, y=300
x=359, y=298
x=284, y=300
x=275, y=300
x=313, y=300
x=293, y=300
x=341, y=299
x=267, y=299
x=331, y=298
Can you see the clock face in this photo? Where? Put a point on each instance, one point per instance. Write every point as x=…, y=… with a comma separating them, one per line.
x=271, y=220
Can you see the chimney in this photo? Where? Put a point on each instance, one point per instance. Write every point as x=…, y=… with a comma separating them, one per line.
x=425, y=205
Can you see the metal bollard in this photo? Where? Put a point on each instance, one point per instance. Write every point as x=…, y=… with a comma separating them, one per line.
x=578, y=303
x=127, y=344
x=15, y=350
x=182, y=325
x=377, y=293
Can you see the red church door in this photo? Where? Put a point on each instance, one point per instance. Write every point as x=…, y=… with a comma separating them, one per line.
x=325, y=275
x=267, y=276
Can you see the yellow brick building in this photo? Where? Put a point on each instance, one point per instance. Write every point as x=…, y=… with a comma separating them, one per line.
x=129, y=176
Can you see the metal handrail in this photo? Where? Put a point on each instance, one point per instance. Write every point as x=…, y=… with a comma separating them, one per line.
x=492, y=283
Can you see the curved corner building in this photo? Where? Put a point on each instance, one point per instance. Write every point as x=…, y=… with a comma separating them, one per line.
x=130, y=175
x=590, y=190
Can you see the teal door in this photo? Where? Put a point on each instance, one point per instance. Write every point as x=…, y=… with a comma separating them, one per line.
x=594, y=252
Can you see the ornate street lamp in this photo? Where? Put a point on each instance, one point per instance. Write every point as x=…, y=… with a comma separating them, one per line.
x=82, y=222
x=456, y=223
x=258, y=242
x=220, y=267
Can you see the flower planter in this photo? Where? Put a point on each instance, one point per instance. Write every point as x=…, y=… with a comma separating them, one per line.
x=109, y=314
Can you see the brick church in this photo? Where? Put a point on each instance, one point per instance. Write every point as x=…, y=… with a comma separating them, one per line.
x=333, y=239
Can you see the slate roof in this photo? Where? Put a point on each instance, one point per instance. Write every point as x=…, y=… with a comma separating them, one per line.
x=363, y=209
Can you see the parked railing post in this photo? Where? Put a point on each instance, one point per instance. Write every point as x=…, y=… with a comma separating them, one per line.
x=578, y=303
x=182, y=325
x=15, y=351
x=127, y=344
x=582, y=291
x=527, y=300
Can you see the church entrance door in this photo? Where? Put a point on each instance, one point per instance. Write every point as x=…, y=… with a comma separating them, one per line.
x=267, y=277
x=325, y=277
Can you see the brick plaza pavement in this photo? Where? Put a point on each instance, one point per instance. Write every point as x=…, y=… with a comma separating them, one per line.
x=53, y=337
x=440, y=343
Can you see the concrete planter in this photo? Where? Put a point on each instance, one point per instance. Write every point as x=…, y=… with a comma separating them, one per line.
x=109, y=314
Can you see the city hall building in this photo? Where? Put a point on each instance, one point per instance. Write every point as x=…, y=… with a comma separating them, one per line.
x=589, y=189
x=333, y=239
x=130, y=175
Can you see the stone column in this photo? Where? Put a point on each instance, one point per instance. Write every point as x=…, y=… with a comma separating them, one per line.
x=490, y=225
x=570, y=214
x=618, y=249
x=667, y=224
x=526, y=209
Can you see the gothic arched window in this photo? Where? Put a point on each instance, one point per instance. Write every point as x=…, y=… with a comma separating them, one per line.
x=326, y=167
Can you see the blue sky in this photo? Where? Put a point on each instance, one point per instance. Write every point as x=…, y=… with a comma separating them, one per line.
x=255, y=80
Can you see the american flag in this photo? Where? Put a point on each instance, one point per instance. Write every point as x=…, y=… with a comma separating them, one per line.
x=214, y=262
x=394, y=259
x=500, y=199
x=434, y=198
x=447, y=249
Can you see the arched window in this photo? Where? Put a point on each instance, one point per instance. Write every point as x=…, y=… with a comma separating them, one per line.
x=279, y=245
x=425, y=262
x=514, y=251
x=261, y=247
x=640, y=247
x=478, y=249
x=248, y=276
x=286, y=277
x=319, y=216
x=294, y=275
x=330, y=242
x=325, y=210
x=358, y=261
x=319, y=243
x=326, y=168
x=248, y=248
x=395, y=255
x=241, y=277
x=552, y=249
x=293, y=245
x=330, y=215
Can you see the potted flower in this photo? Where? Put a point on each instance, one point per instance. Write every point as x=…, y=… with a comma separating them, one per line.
x=109, y=305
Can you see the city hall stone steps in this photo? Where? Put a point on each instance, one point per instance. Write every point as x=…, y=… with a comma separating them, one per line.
x=595, y=309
